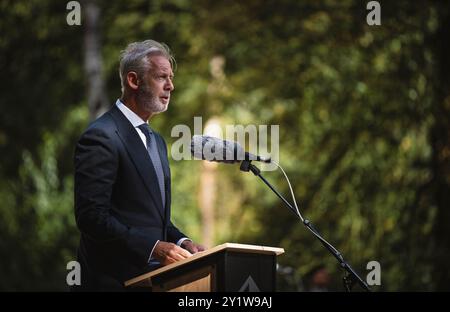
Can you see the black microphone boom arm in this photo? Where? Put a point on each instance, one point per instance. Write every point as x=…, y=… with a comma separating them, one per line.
x=351, y=277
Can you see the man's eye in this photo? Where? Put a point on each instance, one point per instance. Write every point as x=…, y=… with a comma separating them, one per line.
x=162, y=78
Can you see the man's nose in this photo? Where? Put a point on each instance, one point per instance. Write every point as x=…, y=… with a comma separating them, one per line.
x=169, y=85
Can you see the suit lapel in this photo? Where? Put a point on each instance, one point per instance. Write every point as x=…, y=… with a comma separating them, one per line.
x=139, y=156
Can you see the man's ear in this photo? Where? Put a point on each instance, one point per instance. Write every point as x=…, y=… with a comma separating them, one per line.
x=132, y=80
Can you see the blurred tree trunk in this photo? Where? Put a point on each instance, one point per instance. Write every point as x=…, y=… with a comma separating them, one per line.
x=207, y=200
x=440, y=141
x=97, y=99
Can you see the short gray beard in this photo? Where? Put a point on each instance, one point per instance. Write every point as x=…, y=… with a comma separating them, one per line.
x=148, y=101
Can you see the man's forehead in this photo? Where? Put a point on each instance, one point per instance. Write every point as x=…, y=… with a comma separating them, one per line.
x=160, y=63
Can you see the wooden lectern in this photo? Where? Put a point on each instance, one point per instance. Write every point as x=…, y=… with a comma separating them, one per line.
x=227, y=267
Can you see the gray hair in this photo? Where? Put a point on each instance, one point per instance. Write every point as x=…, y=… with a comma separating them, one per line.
x=136, y=58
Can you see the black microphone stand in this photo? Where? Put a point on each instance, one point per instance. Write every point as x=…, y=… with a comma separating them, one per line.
x=351, y=276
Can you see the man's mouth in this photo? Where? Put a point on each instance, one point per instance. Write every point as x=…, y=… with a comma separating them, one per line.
x=165, y=99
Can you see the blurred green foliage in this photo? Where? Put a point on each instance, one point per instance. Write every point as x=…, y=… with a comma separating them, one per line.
x=363, y=114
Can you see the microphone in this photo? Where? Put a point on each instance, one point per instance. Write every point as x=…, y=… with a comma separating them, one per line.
x=214, y=149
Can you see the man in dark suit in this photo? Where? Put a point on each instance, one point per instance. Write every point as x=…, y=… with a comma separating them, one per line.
x=122, y=179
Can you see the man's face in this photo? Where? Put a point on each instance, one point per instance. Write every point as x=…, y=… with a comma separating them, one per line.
x=154, y=90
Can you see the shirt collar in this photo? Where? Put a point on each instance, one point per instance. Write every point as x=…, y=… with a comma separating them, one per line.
x=131, y=116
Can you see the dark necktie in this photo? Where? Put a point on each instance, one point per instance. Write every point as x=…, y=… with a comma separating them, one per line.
x=156, y=160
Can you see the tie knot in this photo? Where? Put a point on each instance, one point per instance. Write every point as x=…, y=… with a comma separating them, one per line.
x=146, y=129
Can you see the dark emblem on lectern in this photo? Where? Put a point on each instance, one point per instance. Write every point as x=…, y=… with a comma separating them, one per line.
x=249, y=285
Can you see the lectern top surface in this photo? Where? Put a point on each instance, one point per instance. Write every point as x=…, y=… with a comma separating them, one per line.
x=226, y=246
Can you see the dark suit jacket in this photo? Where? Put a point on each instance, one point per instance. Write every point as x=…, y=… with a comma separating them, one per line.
x=118, y=206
